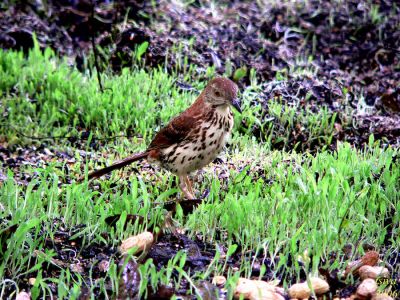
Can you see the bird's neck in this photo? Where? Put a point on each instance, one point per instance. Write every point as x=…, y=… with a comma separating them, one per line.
x=203, y=107
x=223, y=109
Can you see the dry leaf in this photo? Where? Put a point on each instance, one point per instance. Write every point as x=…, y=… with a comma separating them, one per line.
x=369, y=259
x=141, y=242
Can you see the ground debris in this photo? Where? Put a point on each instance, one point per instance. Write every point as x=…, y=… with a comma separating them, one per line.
x=367, y=289
x=130, y=279
x=373, y=272
x=257, y=290
x=303, y=290
x=369, y=259
x=138, y=243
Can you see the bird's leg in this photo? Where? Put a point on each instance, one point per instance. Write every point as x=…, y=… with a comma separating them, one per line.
x=189, y=185
x=184, y=188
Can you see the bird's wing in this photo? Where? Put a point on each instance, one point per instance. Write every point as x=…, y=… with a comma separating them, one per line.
x=176, y=131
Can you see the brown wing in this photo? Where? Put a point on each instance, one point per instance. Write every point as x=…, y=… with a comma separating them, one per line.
x=176, y=131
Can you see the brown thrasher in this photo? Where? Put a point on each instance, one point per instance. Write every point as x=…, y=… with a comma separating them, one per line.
x=194, y=138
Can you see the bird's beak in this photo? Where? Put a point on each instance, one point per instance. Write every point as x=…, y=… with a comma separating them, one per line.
x=236, y=104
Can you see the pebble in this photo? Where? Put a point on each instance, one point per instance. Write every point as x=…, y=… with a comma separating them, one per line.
x=23, y=296
x=219, y=280
x=367, y=289
x=373, y=272
x=302, y=290
x=256, y=290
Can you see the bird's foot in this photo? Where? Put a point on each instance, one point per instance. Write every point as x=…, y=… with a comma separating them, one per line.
x=189, y=185
x=183, y=184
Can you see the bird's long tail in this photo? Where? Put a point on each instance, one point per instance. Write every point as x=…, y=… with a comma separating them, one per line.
x=118, y=165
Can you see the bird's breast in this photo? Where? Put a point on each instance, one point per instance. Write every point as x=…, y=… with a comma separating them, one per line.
x=202, y=145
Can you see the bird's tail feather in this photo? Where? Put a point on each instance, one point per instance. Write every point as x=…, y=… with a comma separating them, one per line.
x=118, y=165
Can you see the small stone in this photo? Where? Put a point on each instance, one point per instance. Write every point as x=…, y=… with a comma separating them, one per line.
x=219, y=280
x=256, y=290
x=299, y=291
x=367, y=289
x=244, y=287
x=302, y=290
x=319, y=285
x=266, y=295
x=47, y=152
x=77, y=268
x=265, y=285
x=141, y=242
x=373, y=272
x=23, y=296
x=32, y=281
x=104, y=265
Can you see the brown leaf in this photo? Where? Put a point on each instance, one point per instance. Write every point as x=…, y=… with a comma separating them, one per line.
x=369, y=259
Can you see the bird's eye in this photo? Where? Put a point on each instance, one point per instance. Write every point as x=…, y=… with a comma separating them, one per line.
x=218, y=94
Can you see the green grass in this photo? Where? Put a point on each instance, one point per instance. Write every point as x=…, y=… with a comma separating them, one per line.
x=42, y=96
x=299, y=212
x=290, y=204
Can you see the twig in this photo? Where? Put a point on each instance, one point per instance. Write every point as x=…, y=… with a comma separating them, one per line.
x=60, y=137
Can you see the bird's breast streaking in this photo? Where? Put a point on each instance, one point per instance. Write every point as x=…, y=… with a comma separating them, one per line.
x=205, y=142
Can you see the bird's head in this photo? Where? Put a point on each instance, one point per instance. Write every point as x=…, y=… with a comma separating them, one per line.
x=221, y=92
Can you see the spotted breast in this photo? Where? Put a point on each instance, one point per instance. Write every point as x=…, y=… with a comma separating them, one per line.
x=205, y=141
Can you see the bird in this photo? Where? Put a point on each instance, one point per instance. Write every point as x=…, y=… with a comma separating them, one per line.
x=194, y=138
